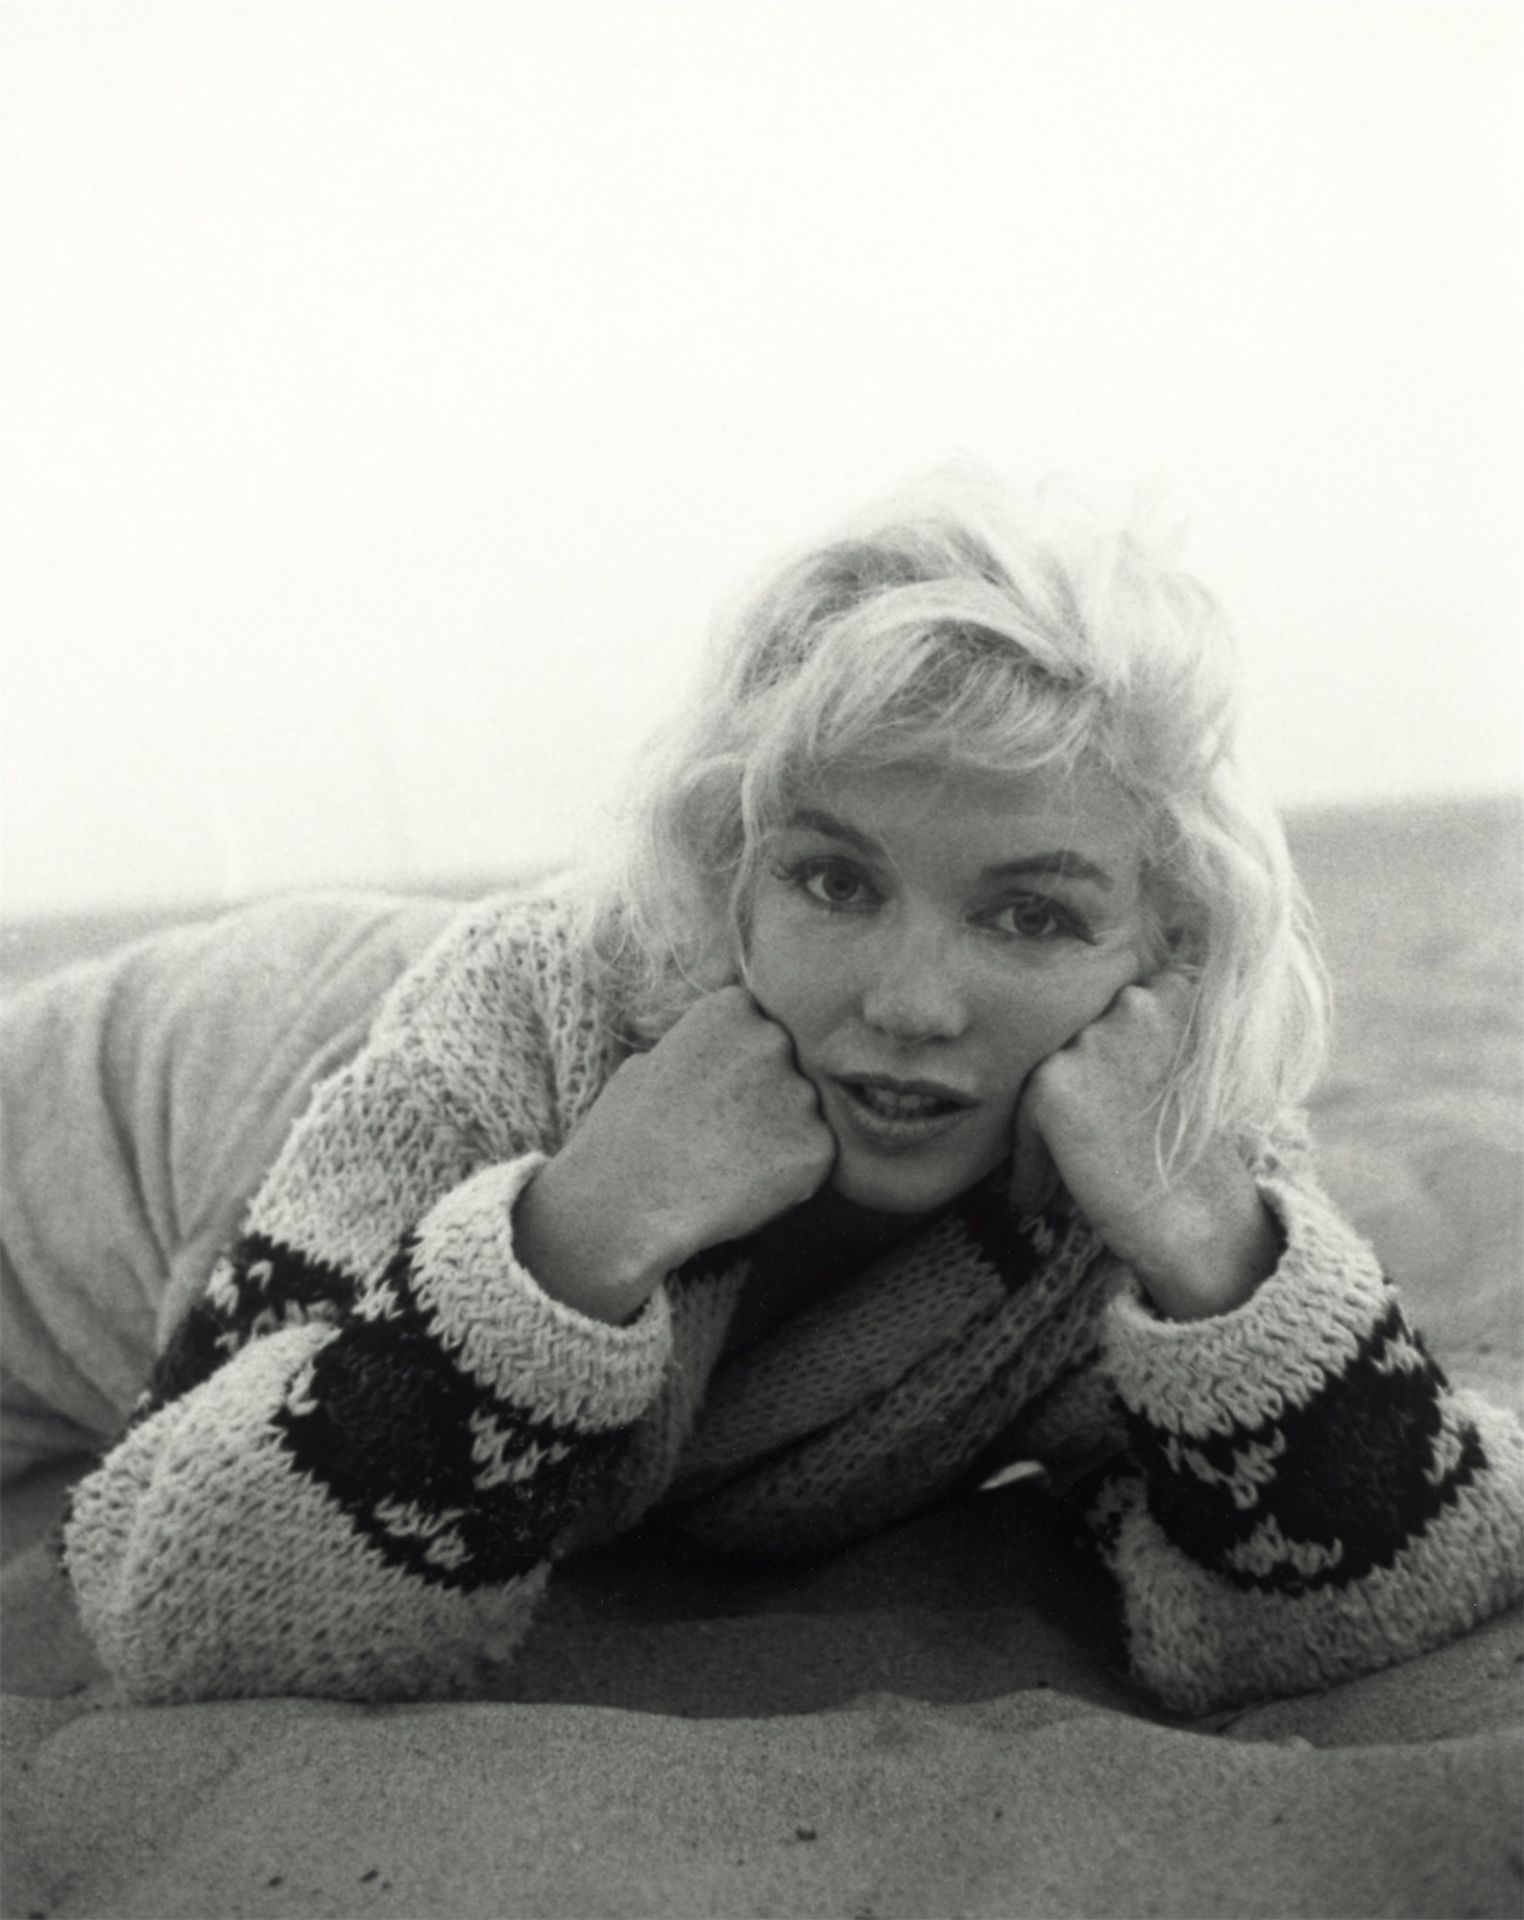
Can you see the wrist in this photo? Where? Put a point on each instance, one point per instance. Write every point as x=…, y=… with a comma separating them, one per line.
x=594, y=1258
x=1210, y=1254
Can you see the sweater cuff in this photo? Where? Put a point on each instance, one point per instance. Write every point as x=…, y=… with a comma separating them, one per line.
x=1304, y=1324
x=501, y=1327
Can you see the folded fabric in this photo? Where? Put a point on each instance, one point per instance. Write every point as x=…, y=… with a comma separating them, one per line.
x=146, y=1095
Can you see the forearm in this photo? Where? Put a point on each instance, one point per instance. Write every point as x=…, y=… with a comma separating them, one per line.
x=408, y=1468
x=1210, y=1248
x=593, y=1251
x=207, y=1564
x=1314, y=1499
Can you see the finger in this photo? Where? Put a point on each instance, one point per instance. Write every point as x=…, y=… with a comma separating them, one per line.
x=778, y=1027
x=763, y=1012
x=1175, y=984
x=1178, y=995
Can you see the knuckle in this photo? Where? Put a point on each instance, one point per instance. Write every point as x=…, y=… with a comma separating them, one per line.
x=1063, y=1072
x=821, y=1158
x=774, y=1045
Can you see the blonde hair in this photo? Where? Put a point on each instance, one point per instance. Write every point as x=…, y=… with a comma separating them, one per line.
x=951, y=625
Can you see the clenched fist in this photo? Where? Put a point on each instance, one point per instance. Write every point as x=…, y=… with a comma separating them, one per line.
x=707, y=1137
x=1203, y=1242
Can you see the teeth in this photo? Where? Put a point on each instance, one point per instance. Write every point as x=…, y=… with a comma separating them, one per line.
x=900, y=1106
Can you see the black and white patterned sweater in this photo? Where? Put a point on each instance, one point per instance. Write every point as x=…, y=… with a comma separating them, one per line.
x=361, y=1453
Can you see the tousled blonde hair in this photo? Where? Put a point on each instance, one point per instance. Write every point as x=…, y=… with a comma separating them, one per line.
x=953, y=625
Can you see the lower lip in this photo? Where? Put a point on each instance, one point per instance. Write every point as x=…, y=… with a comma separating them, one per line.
x=899, y=1135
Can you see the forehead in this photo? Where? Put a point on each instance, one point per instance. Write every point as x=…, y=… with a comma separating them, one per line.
x=977, y=818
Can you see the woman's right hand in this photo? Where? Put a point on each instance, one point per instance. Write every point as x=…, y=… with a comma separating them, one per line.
x=707, y=1137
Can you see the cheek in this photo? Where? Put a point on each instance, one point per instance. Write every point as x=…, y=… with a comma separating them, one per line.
x=787, y=977
x=1036, y=1016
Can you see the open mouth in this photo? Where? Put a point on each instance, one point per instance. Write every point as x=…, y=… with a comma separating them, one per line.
x=902, y=1113
x=890, y=1104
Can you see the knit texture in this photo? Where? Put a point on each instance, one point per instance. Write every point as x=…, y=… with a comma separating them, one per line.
x=364, y=1447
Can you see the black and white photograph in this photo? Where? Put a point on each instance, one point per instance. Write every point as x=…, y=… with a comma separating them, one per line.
x=762, y=959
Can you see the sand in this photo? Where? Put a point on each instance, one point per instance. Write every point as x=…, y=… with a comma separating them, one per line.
x=938, y=1723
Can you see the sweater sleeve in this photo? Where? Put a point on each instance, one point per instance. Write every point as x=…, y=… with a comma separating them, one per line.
x=1312, y=1499
x=357, y=1455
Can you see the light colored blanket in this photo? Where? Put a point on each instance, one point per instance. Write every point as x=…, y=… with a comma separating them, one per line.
x=938, y=1722
x=147, y=1093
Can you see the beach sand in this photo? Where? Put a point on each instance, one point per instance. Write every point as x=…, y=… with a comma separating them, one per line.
x=939, y=1722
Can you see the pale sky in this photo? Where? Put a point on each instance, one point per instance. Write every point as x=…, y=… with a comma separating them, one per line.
x=389, y=390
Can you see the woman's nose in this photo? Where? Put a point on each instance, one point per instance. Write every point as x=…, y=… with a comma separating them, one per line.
x=912, y=991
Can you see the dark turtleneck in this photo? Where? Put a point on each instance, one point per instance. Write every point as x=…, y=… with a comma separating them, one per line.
x=805, y=1254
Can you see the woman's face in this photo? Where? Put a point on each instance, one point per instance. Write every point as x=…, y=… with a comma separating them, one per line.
x=927, y=938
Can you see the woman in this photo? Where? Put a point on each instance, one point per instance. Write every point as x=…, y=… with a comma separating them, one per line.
x=920, y=1092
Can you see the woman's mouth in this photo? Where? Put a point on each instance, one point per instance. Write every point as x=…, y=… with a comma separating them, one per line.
x=902, y=1114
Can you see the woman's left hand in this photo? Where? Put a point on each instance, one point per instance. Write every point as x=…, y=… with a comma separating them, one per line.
x=1200, y=1244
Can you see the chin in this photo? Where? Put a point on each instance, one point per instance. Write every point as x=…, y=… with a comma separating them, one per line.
x=902, y=1189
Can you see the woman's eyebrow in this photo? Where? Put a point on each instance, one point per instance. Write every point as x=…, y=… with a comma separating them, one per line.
x=1062, y=863
x=815, y=820
x=1067, y=866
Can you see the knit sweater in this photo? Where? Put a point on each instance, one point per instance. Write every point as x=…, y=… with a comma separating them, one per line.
x=361, y=1453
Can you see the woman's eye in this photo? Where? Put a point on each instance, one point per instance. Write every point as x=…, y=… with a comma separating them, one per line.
x=1033, y=918
x=834, y=884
